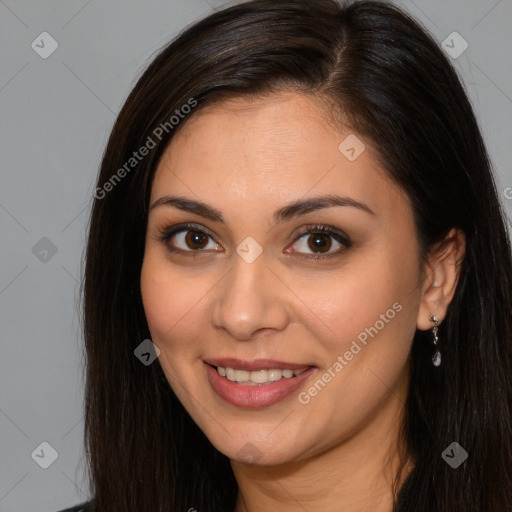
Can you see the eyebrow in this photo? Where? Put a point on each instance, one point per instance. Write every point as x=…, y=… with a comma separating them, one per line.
x=291, y=210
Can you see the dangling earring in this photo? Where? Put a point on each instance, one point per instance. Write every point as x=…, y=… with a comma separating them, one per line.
x=436, y=358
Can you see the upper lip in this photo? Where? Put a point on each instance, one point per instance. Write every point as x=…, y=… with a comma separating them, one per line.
x=256, y=364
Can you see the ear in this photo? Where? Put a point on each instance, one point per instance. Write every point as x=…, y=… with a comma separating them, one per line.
x=442, y=274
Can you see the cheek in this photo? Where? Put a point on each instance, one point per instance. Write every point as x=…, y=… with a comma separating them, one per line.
x=169, y=301
x=159, y=305
x=347, y=302
x=371, y=311
x=374, y=322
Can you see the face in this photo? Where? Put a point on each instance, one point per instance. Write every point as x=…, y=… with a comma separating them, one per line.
x=283, y=253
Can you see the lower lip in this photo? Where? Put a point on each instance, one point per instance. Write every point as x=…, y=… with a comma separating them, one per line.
x=255, y=396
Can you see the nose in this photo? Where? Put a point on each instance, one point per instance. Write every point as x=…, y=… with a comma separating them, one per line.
x=250, y=299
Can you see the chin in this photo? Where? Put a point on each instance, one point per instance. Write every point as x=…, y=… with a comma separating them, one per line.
x=247, y=449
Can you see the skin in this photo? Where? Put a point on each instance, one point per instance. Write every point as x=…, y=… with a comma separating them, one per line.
x=248, y=158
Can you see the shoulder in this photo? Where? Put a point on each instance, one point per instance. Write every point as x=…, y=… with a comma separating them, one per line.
x=83, y=507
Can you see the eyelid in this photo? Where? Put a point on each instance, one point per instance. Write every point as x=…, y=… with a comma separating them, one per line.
x=165, y=233
x=333, y=232
x=321, y=228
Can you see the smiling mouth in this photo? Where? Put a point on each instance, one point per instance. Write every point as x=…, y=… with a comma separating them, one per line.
x=257, y=377
x=256, y=383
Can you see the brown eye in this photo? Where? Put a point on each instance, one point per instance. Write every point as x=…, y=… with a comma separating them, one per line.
x=319, y=242
x=196, y=240
x=190, y=239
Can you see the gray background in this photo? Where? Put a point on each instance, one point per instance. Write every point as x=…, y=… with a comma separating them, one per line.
x=56, y=114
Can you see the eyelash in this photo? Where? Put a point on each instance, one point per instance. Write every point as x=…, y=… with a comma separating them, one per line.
x=166, y=233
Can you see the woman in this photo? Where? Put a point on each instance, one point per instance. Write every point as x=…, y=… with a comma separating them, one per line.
x=298, y=276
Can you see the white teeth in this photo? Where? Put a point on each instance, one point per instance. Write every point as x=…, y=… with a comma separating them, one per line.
x=257, y=376
x=274, y=375
x=241, y=375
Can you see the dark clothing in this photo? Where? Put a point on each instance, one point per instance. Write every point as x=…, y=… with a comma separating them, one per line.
x=83, y=507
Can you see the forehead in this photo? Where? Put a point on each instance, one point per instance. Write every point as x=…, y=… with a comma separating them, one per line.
x=273, y=149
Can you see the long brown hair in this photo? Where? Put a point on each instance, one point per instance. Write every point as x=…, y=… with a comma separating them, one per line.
x=392, y=84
